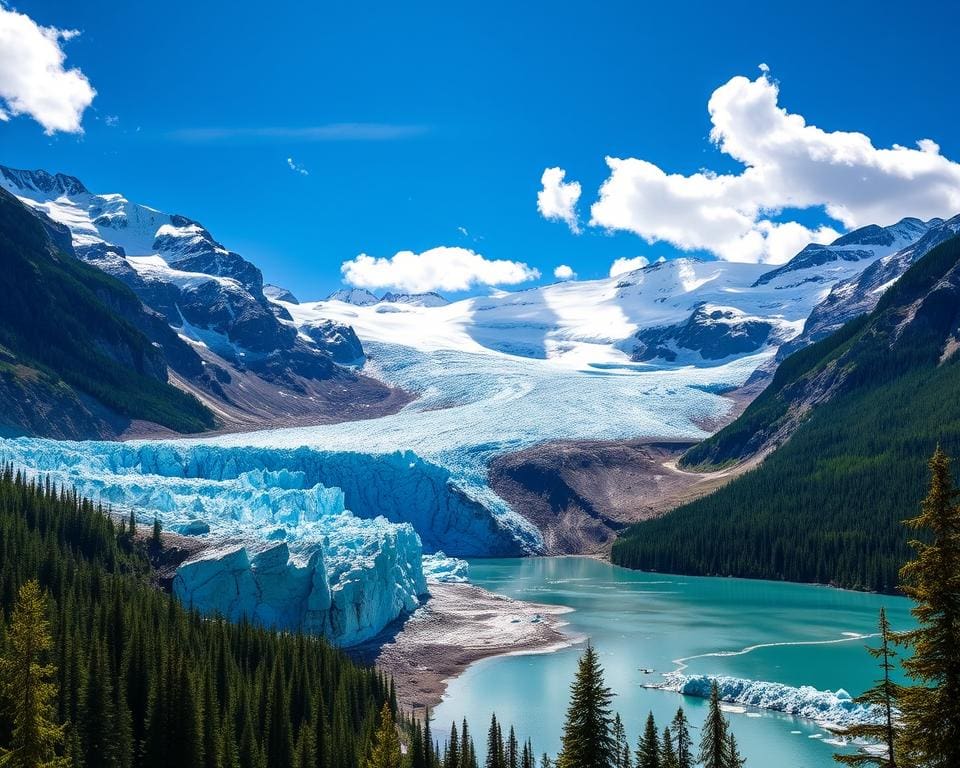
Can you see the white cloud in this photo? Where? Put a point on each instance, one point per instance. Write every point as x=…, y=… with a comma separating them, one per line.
x=787, y=164
x=564, y=272
x=623, y=264
x=445, y=268
x=33, y=80
x=112, y=121
x=557, y=200
x=463, y=231
x=292, y=165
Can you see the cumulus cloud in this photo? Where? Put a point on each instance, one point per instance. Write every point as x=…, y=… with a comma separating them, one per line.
x=788, y=164
x=445, y=268
x=33, y=80
x=564, y=272
x=293, y=166
x=624, y=264
x=557, y=200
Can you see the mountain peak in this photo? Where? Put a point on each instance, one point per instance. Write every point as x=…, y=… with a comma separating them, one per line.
x=39, y=181
x=361, y=297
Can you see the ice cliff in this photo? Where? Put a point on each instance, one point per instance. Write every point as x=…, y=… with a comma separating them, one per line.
x=284, y=550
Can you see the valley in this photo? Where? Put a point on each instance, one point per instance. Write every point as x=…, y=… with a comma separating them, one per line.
x=360, y=449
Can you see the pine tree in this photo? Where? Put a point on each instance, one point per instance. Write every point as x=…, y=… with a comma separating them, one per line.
x=468, y=753
x=28, y=688
x=733, y=760
x=156, y=539
x=931, y=707
x=385, y=752
x=884, y=694
x=681, y=732
x=452, y=757
x=648, y=746
x=621, y=744
x=587, y=739
x=713, y=742
x=495, y=758
x=512, y=756
x=668, y=755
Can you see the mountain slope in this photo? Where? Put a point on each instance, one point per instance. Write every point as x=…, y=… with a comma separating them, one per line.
x=855, y=417
x=225, y=340
x=73, y=362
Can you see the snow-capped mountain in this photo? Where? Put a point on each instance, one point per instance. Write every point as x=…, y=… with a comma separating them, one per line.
x=683, y=311
x=255, y=362
x=859, y=294
x=429, y=299
x=361, y=297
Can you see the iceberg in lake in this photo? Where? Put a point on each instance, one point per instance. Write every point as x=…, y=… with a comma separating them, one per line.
x=832, y=709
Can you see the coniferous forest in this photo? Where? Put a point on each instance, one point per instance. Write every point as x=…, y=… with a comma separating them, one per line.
x=99, y=667
x=143, y=682
x=826, y=506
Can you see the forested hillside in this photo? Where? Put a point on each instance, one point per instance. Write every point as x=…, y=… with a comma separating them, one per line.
x=854, y=416
x=145, y=682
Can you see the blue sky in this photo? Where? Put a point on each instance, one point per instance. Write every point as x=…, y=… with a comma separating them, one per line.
x=461, y=108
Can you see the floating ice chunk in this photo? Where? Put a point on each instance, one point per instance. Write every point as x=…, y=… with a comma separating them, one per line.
x=445, y=570
x=831, y=709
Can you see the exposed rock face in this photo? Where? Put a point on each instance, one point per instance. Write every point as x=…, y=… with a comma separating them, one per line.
x=859, y=295
x=861, y=244
x=80, y=356
x=360, y=297
x=276, y=293
x=211, y=316
x=712, y=331
x=338, y=339
x=915, y=323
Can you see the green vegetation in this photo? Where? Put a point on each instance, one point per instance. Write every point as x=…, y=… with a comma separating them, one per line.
x=920, y=723
x=63, y=321
x=142, y=681
x=826, y=506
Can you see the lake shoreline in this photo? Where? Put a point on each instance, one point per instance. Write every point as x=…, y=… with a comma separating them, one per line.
x=457, y=626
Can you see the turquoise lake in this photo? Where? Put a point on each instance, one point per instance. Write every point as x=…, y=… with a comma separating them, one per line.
x=645, y=620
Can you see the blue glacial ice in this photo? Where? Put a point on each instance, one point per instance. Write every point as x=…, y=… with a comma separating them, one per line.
x=322, y=527
x=832, y=709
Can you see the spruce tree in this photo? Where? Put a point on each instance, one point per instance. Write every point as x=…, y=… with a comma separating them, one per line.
x=512, y=756
x=587, y=738
x=28, y=688
x=385, y=752
x=734, y=759
x=931, y=706
x=681, y=732
x=668, y=755
x=468, y=757
x=713, y=741
x=495, y=757
x=452, y=757
x=884, y=695
x=621, y=744
x=648, y=745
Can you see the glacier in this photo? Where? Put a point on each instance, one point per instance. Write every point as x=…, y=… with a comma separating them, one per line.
x=833, y=710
